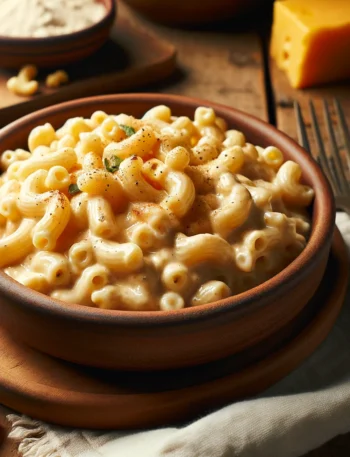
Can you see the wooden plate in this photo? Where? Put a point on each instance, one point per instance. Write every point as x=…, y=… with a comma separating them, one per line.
x=133, y=57
x=59, y=392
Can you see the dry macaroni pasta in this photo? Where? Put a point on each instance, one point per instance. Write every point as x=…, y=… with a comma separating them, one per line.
x=156, y=213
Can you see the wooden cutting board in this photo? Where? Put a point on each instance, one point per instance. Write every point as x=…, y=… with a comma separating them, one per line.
x=64, y=393
x=132, y=58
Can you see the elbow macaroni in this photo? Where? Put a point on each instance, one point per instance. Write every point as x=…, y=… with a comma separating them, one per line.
x=157, y=213
x=24, y=83
x=56, y=79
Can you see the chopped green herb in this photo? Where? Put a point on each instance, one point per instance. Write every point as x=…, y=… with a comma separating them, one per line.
x=73, y=189
x=113, y=164
x=127, y=129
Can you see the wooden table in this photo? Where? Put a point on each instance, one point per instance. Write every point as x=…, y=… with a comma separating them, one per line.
x=229, y=64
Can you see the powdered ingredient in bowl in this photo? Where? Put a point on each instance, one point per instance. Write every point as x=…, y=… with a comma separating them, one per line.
x=44, y=18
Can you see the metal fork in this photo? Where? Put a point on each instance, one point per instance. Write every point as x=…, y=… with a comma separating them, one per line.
x=332, y=164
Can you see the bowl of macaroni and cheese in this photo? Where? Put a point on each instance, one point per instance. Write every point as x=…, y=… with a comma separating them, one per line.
x=152, y=231
x=54, y=33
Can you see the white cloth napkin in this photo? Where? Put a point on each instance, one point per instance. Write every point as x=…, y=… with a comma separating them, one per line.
x=300, y=413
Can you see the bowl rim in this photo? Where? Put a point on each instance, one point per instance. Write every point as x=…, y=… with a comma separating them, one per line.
x=27, y=42
x=242, y=303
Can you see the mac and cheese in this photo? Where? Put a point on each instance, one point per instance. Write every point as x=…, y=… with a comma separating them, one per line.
x=156, y=213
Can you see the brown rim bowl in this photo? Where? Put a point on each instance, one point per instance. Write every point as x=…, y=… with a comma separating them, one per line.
x=193, y=12
x=57, y=50
x=191, y=336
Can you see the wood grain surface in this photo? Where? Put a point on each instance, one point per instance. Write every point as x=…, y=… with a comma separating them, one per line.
x=8, y=447
x=227, y=67
x=284, y=95
x=220, y=66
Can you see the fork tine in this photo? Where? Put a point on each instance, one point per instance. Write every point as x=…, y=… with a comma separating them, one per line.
x=332, y=166
x=343, y=127
x=339, y=167
x=331, y=173
x=302, y=135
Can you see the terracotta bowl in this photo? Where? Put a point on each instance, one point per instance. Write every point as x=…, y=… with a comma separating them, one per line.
x=58, y=50
x=191, y=336
x=175, y=12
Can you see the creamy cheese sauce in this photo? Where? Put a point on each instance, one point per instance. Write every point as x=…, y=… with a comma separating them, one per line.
x=149, y=214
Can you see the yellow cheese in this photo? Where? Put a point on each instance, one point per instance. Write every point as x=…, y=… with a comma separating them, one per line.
x=311, y=40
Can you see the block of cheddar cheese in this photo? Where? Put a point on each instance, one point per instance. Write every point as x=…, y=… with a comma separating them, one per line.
x=311, y=40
